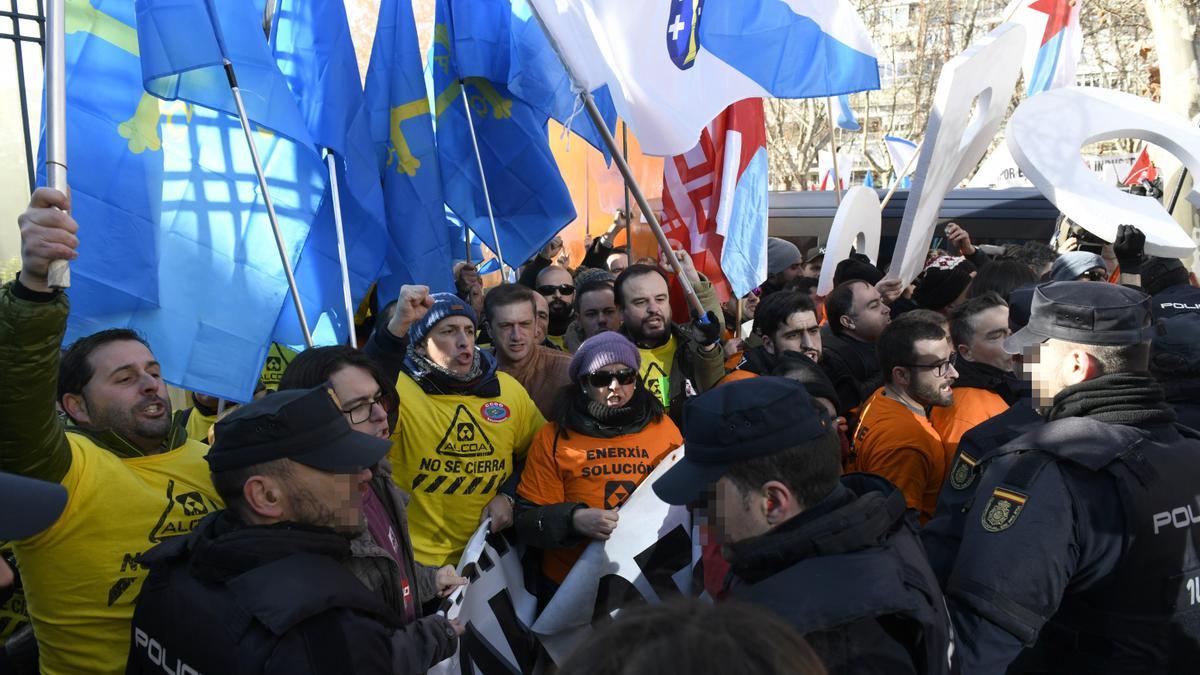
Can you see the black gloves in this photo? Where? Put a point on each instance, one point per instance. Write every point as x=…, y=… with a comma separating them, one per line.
x=707, y=329
x=1129, y=247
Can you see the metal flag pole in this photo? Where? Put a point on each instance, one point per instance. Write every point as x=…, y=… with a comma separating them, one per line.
x=837, y=180
x=262, y=185
x=628, y=210
x=899, y=177
x=331, y=164
x=483, y=178
x=56, y=120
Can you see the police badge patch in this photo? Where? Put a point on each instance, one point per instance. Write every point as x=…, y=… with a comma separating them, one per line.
x=962, y=474
x=1002, y=509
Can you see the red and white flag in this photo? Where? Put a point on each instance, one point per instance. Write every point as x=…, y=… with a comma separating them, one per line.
x=1142, y=168
x=715, y=201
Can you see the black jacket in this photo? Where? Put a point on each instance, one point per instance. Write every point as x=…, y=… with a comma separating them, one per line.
x=231, y=598
x=853, y=367
x=849, y=574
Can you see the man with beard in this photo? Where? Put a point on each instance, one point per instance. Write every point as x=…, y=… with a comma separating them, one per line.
x=596, y=309
x=556, y=285
x=678, y=361
x=262, y=586
x=784, y=322
x=894, y=437
x=784, y=263
x=134, y=477
x=509, y=313
x=857, y=316
x=986, y=385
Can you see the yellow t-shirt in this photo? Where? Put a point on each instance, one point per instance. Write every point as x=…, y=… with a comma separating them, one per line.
x=80, y=576
x=13, y=615
x=452, y=453
x=560, y=340
x=198, y=425
x=656, y=369
x=278, y=358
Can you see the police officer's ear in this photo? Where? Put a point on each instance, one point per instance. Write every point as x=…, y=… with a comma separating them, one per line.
x=778, y=503
x=264, y=497
x=1079, y=366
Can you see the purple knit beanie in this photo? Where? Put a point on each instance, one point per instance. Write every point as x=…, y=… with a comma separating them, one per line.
x=603, y=349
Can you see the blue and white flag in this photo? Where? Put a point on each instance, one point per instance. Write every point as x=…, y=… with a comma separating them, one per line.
x=1054, y=41
x=902, y=151
x=846, y=118
x=670, y=73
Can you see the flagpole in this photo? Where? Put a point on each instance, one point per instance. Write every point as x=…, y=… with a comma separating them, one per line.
x=837, y=181
x=262, y=184
x=482, y=178
x=331, y=164
x=900, y=177
x=628, y=210
x=59, y=275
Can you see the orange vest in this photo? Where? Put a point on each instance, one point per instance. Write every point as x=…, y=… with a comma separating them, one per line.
x=972, y=406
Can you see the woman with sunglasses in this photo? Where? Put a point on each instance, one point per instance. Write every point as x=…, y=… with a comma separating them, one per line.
x=607, y=435
x=382, y=555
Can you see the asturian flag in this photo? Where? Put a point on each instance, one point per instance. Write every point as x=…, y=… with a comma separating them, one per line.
x=674, y=65
x=1054, y=42
x=715, y=200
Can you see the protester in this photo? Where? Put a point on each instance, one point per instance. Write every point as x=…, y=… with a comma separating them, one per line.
x=813, y=259
x=617, y=263
x=595, y=311
x=509, y=312
x=543, y=320
x=857, y=316
x=1075, y=560
x=1001, y=276
x=382, y=553
x=261, y=587
x=1078, y=266
x=960, y=239
x=748, y=304
x=1035, y=255
x=468, y=284
x=944, y=284
x=694, y=637
x=893, y=437
x=1170, y=288
x=556, y=285
x=784, y=263
x=607, y=434
x=986, y=385
x=464, y=427
x=1175, y=363
x=598, y=251
x=785, y=321
x=838, y=559
x=134, y=477
x=678, y=361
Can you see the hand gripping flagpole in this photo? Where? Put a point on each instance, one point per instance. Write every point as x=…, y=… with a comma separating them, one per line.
x=698, y=311
x=331, y=164
x=262, y=184
x=482, y=179
x=56, y=120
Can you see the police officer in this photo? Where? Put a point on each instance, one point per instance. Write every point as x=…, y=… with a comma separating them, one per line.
x=1079, y=554
x=804, y=543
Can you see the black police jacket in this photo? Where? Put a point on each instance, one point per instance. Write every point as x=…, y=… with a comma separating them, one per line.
x=853, y=368
x=1083, y=546
x=849, y=574
x=241, y=599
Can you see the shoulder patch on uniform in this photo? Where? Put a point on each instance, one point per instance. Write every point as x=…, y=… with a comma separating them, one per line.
x=1002, y=509
x=962, y=474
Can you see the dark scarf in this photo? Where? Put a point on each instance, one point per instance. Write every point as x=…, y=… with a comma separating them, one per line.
x=1131, y=399
x=597, y=420
x=433, y=379
x=982, y=376
x=1181, y=391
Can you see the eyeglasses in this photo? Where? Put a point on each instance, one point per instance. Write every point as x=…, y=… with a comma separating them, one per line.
x=563, y=289
x=362, y=412
x=940, y=368
x=1095, y=274
x=603, y=378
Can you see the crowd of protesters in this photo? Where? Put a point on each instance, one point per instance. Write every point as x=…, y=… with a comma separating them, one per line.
x=989, y=470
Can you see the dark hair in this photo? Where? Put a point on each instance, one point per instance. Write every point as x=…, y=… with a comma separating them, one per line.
x=1034, y=254
x=1001, y=277
x=229, y=484
x=75, y=369
x=803, y=284
x=1129, y=358
x=897, y=343
x=632, y=272
x=591, y=287
x=922, y=314
x=504, y=295
x=572, y=396
x=962, y=319
x=810, y=470
x=775, y=309
x=314, y=366
x=840, y=303
x=695, y=637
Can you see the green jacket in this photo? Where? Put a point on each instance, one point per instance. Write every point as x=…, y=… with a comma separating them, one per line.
x=34, y=441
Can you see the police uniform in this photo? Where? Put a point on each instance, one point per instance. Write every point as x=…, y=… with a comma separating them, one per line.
x=848, y=572
x=1079, y=553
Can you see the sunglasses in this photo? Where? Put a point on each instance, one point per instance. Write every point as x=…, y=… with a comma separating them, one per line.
x=603, y=378
x=563, y=289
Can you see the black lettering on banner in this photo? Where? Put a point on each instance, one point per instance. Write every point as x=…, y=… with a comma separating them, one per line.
x=477, y=654
x=658, y=563
x=485, y=561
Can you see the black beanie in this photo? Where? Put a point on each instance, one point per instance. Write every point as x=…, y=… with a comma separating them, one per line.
x=855, y=268
x=943, y=281
x=799, y=367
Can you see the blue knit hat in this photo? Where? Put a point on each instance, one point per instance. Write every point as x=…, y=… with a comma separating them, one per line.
x=444, y=305
x=603, y=349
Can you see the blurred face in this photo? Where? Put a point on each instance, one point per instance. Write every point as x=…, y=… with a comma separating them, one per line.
x=361, y=401
x=617, y=262
x=514, y=331
x=611, y=385
x=930, y=376
x=987, y=341
x=869, y=316
x=542, y=309
x=556, y=285
x=1053, y=366
x=598, y=312
x=737, y=515
x=800, y=333
x=126, y=394
x=646, y=313
x=323, y=499
x=451, y=344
